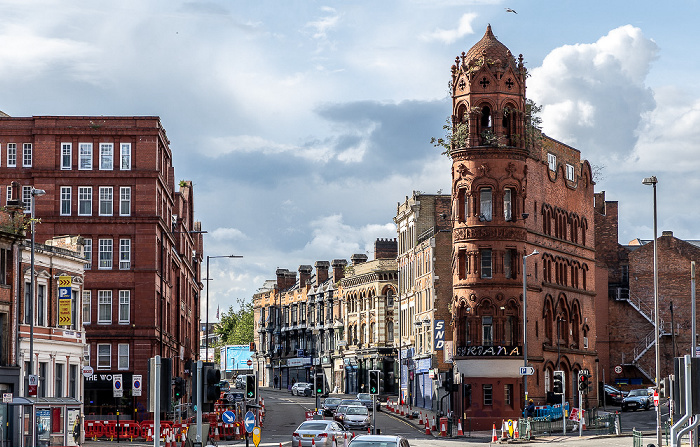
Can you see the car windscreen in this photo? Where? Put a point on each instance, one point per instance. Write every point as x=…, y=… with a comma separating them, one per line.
x=638, y=393
x=341, y=408
x=303, y=384
x=356, y=410
x=373, y=444
x=332, y=401
x=364, y=396
x=313, y=426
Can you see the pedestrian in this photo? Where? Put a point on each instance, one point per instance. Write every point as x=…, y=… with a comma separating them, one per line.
x=276, y=380
x=531, y=409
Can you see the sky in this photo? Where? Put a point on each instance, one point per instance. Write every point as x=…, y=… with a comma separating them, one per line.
x=303, y=124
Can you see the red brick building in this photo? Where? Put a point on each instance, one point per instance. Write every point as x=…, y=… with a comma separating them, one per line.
x=626, y=333
x=514, y=191
x=111, y=181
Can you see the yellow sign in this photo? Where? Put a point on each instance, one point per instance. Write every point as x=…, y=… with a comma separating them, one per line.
x=65, y=281
x=64, y=313
x=256, y=436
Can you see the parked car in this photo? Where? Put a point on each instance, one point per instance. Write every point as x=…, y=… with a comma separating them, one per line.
x=302, y=389
x=320, y=433
x=366, y=400
x=613, y=396
x=636, y=399
x=351, y=402
x=329, y=405
x=379, y=441
x=340, y=413
x=356, y=416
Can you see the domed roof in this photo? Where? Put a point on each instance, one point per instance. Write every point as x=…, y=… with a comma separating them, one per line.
x=489, y=47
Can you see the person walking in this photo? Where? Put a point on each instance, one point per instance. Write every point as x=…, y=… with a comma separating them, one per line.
x=276, y=380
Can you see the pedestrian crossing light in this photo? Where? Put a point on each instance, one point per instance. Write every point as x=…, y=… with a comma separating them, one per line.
x=319, y=384
x=374, y=382
x=250, y=389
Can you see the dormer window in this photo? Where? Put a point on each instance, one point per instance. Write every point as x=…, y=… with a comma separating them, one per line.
x=569, y=172
x=552, y=162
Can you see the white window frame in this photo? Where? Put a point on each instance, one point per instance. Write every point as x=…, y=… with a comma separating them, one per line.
x=66, y=151
x=27, y=198
x=125, y=201
x=87, y=307
x=85, y=197
x=106, y=199
x=106, y=156
x=552, y=161
x=8, y=194
x=11, y=155
x=124, y=254
x=104, y=352
x=125, y=157
x=87, y=253
x=570, y=172
x=86, y=354
x=104, y=301
x=66, y=196
x=84, y=156
x=27, y=157
x=123, y=356
x=105, y=257
x=124, y=306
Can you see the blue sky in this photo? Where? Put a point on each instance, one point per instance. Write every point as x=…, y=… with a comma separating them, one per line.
x=303, y=123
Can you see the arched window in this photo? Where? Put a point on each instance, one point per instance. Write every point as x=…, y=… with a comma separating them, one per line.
x=508, y=201
x=485, y=204
x=390, y=331
x=485, y=118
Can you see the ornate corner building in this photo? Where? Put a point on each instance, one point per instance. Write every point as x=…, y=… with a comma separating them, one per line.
x=515, y=191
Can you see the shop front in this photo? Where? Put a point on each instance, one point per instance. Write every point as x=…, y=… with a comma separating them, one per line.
x=47, y=421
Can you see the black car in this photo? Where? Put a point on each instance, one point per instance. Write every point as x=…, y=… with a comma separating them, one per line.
x=366, y=400
x=613, y=396
x=329, y=405
x=637, y=399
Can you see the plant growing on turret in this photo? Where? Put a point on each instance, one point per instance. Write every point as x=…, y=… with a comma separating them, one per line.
x=456, y=136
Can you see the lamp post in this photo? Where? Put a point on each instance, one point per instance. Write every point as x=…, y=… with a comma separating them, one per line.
x=535, y=252
x=35, y=192
x=206, y=326
x=653, y=181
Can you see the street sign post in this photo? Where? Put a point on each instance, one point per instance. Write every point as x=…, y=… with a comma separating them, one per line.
x=228, y=417
x=527, y=370
x=256, y=436
x=88, y=371
x=117, y=385
x=136, y=385
x=249, y=421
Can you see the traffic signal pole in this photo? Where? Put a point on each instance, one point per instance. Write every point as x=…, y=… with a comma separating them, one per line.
x=198, y=438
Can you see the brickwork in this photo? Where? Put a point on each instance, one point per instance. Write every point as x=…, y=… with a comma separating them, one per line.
x=131, y=158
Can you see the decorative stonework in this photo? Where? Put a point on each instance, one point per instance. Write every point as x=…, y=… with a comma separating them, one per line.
x=466, y=234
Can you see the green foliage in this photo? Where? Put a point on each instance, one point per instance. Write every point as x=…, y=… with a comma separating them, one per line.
x=236, y=326
x=456, y=136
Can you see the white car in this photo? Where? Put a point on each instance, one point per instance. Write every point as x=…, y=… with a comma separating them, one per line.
x=302, y=389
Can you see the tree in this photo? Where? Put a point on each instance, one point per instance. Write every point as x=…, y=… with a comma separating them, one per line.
x=236, y=326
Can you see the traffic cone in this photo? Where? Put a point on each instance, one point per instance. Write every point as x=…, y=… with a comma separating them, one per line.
x=345, y=440
x=434, y=425
x=427, y=427
x=420, y=418
x=583, y=419
x=504, y=431
x=216, y=433
x=369, y=430
x=516, y=434
x=313, y=442
x=300, y=443
x=460, y=432
x=494, y=437
x=443, y=430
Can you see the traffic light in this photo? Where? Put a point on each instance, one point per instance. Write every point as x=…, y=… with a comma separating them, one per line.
x=467, y=395
x=251, y=391
x=320, y=384
x=179, y=388
x=210, y=383
x=374, y=382
x=558, y=382
x=447, y=383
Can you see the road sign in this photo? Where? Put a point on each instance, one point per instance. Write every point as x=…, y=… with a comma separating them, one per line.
x=228, y=417
x=65, y=281
x=33, y=383
x=136, y=382
x=527, y=370
x=117, y=385
x=656, y=398
x=249, y=362
x=256, y=436
x=249, y=421
x=88, y=371
x=6, y=398
x=585, y=372
x=618, y=369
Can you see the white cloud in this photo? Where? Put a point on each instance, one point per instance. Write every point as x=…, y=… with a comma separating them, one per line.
x=221, y=234
x=464, y=27
x=594, y=95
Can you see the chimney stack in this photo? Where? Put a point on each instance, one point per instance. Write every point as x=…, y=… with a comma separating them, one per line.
x=339, y=269
x=304, y=275
x=358, y=258
x=385, y=249
x=322, y=271
x=285, y=279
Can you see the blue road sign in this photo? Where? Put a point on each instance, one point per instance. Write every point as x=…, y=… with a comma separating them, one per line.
x=229, y=417
x=249, y=422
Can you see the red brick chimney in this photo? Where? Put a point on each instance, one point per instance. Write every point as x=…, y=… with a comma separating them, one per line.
x=322, y=271
x=385, y=249
x=285, y=279
x=339, y=269
x=304, y=274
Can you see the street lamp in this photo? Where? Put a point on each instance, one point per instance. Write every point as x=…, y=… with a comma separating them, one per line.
x=34, y=193
x=206, y=328
x=535, y=252
x=653, y=181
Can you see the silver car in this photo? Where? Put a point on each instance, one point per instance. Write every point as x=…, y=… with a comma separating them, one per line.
x=379, y=441
x=356, y=417
x=320, y=433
